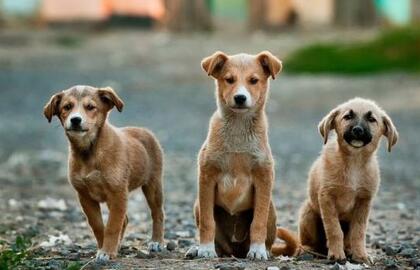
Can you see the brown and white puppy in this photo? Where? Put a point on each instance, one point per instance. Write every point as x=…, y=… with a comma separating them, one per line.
x=344, y=180
x=234, y=211
x=106, y=163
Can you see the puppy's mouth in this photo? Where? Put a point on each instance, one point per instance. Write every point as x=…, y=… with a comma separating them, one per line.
x=239, y=109
x=77, y=130
x=357, y=142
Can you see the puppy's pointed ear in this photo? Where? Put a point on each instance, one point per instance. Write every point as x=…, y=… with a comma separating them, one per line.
x=271, y=64
x=213, y=64
x=109, y=97
x=51, y=108
x=327, y=124
x=390, y=132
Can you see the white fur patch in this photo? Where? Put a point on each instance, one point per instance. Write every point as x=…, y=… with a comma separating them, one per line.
x=102, y=257
x=207, y=251
x=155, y=247
x=243, y=91
x=257, y=252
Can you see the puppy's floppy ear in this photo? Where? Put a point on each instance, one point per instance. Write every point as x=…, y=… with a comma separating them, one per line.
x=51, y=108
x=109, y=96
x=327, y=124
x=214, y=63
x=271, y=64
x=390, y=132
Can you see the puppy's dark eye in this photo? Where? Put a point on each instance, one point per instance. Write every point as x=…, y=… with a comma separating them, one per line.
x=90, y=107
x=348, y=116
x=230, y=80
x=371, y=119
x=253, y=81
x=67, y=107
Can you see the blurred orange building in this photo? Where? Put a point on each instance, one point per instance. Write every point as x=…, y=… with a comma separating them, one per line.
x=94, y=10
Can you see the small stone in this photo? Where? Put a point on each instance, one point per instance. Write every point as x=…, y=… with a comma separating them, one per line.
x=390, y=264
x=408, y=252
x=272, y=268
x=336, y=266
x=171, y=246
x=392, y=250
x=305, y=257
x=285, y=267
x=192, y=253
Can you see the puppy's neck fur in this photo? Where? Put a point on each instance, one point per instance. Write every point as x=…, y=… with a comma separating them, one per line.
x=239, y=133
x=86, y=146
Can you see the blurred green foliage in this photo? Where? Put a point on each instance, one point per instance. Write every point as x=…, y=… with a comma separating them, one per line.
x=393, y=50
x=14, y=255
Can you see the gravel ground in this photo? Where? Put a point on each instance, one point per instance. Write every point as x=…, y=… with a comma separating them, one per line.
x=159, y=78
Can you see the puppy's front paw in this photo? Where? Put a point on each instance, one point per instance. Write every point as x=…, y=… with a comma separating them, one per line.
x=103, y=257
x=206, y=251
x=361, y=258
x=155, y=247
x=337, y=255
x=257, y=252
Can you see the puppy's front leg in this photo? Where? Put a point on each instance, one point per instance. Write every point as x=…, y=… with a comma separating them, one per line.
x=207, y=225
x=263, y=183
x=358, y=226
x=92, y=210
x=117, y=204
x=335, y=237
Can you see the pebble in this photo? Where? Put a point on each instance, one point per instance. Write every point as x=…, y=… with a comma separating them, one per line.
x=285, y=267
x=336, y=266
x=272, y=268
x=390, y=264
x=171, y=246
x=392, y=250
x=408, y=252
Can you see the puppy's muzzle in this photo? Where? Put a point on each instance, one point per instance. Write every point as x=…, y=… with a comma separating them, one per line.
x=358, y=136
x=76, y=124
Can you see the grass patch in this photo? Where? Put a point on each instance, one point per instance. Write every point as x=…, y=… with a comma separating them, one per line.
x=394, y=50
x=12, y=256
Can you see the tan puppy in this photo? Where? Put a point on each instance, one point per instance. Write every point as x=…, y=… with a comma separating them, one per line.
x=344, y=180
x=234, y=211
x=106, y=163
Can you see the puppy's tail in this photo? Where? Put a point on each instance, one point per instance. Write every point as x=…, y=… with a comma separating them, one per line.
x=291, y=246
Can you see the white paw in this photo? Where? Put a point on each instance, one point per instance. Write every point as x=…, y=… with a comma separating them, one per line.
x=206, y=251
x=155, y=247
x=102, y=257
x=257, y=252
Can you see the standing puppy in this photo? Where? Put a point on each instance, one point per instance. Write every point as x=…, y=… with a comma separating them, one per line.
x=344, y=180
x=106, y=163
x=234, y=211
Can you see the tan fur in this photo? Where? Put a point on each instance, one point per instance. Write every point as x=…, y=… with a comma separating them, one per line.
x=342, y=183
x=106, y=163
x=235, y=164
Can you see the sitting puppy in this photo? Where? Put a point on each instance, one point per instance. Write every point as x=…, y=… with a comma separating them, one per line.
x=344, y=180
x=234, y=211
x=106, y=163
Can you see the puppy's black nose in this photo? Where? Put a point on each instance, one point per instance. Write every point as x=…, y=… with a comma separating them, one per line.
x=75, y=121
x=240, y=99
x=357, y=131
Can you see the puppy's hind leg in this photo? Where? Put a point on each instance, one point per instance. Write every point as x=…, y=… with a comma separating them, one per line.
x=311, y=231
x=154, y=197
